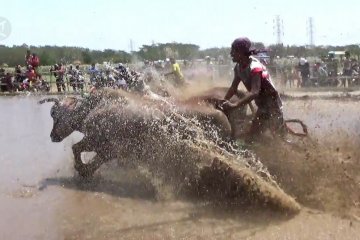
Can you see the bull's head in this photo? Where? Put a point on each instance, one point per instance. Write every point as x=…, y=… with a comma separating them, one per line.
x=63, y=116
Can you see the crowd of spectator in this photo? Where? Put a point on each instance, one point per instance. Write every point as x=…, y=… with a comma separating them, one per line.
x=327, y=71
x=287, y=71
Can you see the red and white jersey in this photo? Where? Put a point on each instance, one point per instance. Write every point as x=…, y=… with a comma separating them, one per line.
x=268, y=95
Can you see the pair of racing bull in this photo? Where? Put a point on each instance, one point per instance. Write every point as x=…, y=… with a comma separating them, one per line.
x=116, y=123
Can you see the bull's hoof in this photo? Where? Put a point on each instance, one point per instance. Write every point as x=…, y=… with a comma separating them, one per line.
x=84, y=171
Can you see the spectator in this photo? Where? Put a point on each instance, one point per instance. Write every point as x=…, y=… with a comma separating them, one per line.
x=209, y=68
x=59, y=72
x=93, y=71
x=28, y=57
x=33, y=60
x=347, y=68
x=19, y=77
x=347, y=71
x=6, y=83
x=70, y=75
x=79, y=78
x=31, y=75
x=304, y=69
x=2, y=72
x=332, y=67
x=18, y=74
x=319, y=73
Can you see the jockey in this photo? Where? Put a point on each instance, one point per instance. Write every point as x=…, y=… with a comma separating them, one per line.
x=176, y=71
x=256, y=79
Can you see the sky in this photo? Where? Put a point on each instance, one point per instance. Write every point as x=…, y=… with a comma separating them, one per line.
x=113, y=24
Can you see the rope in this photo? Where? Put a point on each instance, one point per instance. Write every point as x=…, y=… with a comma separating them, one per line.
x=291, y=131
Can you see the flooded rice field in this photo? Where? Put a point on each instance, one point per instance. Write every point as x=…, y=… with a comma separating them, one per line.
x=41, y=197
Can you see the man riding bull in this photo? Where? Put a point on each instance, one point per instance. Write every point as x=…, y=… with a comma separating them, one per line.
x=260, y=88
x=176, y=72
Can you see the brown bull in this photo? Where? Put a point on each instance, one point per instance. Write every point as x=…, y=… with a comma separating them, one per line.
x=213, y=98
x=116, y=123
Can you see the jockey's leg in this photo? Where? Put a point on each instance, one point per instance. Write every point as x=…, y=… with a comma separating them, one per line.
x=277, y=123
x=257, y=126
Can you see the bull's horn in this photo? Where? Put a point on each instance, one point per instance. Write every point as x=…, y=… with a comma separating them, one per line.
x=55, y=100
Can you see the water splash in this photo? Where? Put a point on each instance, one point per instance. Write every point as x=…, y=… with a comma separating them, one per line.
x=180, y=149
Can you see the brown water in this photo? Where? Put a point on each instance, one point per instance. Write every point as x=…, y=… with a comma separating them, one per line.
x=40, y=198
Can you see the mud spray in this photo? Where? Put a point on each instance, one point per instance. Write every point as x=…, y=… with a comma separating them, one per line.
x=319, y=172
x=188, y=155
x=322, y=171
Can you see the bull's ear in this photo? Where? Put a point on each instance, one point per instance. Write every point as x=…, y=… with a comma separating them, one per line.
x=69, y=103
x=55, y=100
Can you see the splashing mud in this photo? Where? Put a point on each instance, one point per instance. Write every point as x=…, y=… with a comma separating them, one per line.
x=177, y=149
x=322, y=171
x=319, y=171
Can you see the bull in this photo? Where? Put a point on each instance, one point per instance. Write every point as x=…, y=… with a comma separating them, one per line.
x=116, y=123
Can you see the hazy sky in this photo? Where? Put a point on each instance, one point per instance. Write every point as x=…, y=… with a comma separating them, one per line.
x=101, y=24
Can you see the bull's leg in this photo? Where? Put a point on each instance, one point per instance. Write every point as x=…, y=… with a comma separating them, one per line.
x=90, y=168
x=83, y=146
x=103, y=154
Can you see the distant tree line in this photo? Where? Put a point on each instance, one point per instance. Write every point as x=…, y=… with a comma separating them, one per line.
x=50, y=55
x=315, y=51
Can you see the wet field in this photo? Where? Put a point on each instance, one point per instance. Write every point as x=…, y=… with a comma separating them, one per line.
x=42, y=198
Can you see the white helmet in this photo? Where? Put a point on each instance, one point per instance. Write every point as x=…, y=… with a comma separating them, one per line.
x=302, y=61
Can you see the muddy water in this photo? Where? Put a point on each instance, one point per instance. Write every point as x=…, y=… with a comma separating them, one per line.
x=41, y=199
x=326, y=117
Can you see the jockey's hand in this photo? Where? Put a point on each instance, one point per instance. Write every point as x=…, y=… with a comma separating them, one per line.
x=225, y=105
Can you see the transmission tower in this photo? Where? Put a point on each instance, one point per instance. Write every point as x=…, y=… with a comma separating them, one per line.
x=278, y=29
x=131, y=45
x=310, y=30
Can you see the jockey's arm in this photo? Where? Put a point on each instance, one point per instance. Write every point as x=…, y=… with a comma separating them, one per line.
x=255, y=89
x=233, y=88
x=173, y=68
x=169, y=73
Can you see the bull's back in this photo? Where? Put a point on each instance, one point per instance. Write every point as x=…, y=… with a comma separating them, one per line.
x=120, y=122
x=212, y=96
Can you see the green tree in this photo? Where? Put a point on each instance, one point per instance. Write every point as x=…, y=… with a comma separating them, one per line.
x=86, y=56
x=45, y=58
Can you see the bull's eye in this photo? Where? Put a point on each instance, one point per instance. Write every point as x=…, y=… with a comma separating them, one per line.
x=52, y=113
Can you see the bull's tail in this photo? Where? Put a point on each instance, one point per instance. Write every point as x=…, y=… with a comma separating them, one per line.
x=291, y=131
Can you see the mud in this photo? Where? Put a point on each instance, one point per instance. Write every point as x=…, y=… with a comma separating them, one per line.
x=323, y=173
x=41, y=199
